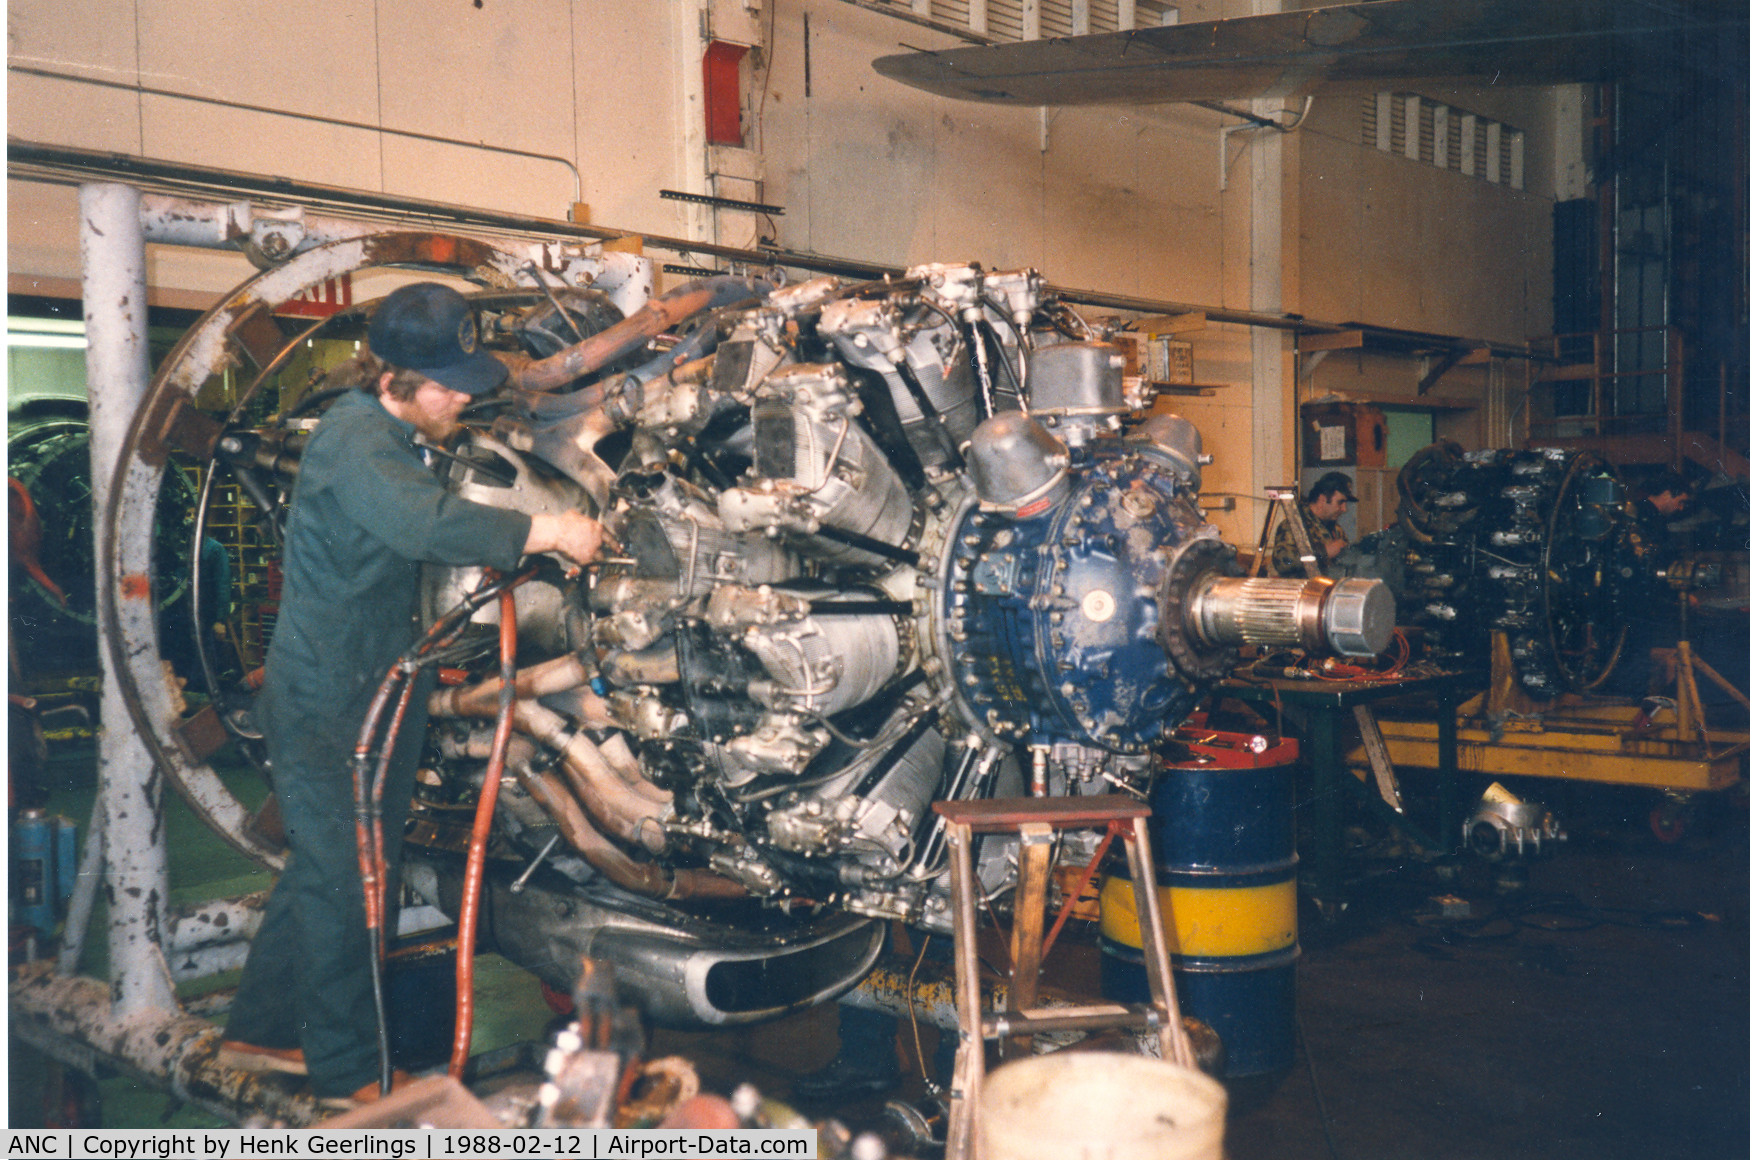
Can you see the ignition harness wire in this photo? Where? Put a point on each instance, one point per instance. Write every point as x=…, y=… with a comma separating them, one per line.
x=911, y=1007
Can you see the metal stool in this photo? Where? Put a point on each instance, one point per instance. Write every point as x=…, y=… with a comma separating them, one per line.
x=1035, y=820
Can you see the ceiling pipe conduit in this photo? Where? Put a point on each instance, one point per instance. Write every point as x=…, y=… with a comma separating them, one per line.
x=58, y=164
x=268, y=236
x=314, y=118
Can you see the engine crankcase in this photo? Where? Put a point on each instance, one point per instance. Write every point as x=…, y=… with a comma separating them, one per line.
x=1051, y=608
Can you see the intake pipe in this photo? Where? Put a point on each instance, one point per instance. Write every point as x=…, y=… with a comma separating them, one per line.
x=625, y=337
x=613, y=863
x=632, y=809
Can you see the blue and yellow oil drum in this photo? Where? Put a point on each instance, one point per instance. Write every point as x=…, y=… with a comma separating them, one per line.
x=1223, y=834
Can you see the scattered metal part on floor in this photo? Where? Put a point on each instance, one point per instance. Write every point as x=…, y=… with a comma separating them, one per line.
x=1505, y=825
x=931, y=1000
x=438, y=1101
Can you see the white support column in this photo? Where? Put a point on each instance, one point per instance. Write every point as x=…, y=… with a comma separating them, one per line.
x=1413, y=127
x=1382, y=122
x=978, y=16
x=692, y=31
x=1272, y=367
x=1568, y=143
x=112, y=249
x=1442, y=136
x=1492, y=152
x=1030, y=19
x=1080, y=19
x=1126, y=15
x=1467, y=144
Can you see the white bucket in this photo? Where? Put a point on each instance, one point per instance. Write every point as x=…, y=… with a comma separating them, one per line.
x=1100, y=1106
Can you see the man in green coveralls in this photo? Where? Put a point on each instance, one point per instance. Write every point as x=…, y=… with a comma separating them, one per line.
x=367, y=512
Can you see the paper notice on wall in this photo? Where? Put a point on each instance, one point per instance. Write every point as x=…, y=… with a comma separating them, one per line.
x=1332, y=444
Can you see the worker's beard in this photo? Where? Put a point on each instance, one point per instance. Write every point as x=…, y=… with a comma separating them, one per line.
x=437, y=429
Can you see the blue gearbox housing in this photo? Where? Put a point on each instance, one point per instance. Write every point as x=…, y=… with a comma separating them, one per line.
x=1054, y=602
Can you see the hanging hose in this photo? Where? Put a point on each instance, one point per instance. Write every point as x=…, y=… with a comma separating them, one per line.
x=468, y=925
x=376, y=882
x=368, y=791
x=369, y=831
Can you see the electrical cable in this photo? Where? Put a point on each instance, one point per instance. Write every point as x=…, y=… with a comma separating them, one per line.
x=1318, y=1095
x=378, y=881
x=912, y=1010
x=367, y=858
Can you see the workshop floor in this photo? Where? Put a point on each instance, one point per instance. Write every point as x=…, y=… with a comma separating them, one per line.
x=1598, y=1011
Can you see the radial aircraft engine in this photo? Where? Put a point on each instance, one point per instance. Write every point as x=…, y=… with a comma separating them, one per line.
x=880, y=545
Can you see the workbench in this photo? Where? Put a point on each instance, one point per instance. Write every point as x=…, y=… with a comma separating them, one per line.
x=1328, y=705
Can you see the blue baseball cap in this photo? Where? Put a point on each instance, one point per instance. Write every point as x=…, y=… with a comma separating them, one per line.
x=429, y=328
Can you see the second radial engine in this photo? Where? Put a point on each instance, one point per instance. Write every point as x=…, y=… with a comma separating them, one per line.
x=1535, y=545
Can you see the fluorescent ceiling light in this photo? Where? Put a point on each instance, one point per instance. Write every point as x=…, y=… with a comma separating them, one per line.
x=46, y=333
x=45, y=325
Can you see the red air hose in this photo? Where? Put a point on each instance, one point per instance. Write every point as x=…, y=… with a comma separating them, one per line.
x=471, y=882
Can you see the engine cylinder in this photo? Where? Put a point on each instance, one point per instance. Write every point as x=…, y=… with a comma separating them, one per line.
x=1078, y=388
x=826, y=664
x=1017, y=464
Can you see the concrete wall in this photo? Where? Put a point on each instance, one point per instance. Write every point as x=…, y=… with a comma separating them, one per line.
x=1127, y=200
x=1400, y=243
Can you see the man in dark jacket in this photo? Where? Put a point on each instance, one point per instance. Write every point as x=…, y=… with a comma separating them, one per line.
x=367, y=512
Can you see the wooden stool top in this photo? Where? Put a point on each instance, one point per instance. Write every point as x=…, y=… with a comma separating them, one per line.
x=1057, y=812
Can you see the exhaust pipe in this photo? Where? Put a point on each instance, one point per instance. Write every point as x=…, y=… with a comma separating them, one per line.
x=683, y=971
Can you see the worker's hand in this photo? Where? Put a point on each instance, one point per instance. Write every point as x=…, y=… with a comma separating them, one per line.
x=1333, y=548
x=572, y=534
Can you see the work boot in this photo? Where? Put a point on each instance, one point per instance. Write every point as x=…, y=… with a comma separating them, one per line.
x=368, y=1094
x=248, y=1057
x=850, y=1076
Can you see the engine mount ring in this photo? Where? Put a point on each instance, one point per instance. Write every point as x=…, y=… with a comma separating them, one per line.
x=217, y=340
